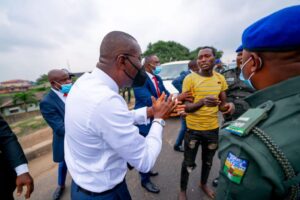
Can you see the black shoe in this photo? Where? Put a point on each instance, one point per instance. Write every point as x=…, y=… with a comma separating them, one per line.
x=58, y=192
x=215, y=182
x=178, y=148
x=153, y=173
x=150, y=187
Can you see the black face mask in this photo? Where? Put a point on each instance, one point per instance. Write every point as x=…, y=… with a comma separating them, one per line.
x=140, y=77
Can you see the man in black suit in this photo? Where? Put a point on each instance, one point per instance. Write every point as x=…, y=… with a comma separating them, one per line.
x=153, y=87
x=13, y=165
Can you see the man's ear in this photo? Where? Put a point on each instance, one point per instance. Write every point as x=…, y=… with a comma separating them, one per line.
x=257, y=62
x=52, y=83
x=121, y=61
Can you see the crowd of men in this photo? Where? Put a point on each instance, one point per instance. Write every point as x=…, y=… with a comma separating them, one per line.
x=96, y=138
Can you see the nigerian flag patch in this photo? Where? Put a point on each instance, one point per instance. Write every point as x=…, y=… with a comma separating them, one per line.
x=235, y=168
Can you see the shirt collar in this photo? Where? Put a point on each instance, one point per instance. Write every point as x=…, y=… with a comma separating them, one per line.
x=59, y=94
x=105, y=78
x=278, y=91
x=150, y=75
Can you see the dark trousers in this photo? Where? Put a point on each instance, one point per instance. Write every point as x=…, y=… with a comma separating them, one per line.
x=7, y=180
x=181, y=133
x=209, y=143
x=62, y=173
x=145, y=177
x=120, y=192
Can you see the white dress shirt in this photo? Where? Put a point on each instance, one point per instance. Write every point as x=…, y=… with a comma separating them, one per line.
x=21, y=169
x=101, y=136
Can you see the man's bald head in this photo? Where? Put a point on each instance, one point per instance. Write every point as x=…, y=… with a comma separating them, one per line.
x=58, y=77
x=192, y=65
x=148, y=59
x=120, y=57
x=56, y=74
x=151, y=62
x=117, y=42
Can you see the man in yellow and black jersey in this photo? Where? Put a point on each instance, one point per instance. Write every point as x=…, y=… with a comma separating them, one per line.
x=208, y=89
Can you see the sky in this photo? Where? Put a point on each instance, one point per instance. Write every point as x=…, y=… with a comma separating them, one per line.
x=38, y=35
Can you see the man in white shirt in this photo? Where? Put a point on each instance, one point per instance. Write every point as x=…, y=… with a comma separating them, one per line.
x=100, y=133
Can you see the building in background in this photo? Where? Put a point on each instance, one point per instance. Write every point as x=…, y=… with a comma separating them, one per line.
x=13, y=86
x=8, y=107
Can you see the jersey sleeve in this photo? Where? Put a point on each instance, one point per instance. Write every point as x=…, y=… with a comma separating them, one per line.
x=187, y=84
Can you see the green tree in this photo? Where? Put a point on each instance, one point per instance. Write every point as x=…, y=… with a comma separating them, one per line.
x=42, y=79
x=24, y=98
x=167, y=51
x=173, y=51
x=194, y=54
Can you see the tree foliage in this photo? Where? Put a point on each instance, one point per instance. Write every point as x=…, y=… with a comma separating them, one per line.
x=42, y=79
x=167, y=51
x=24, y=98
x=173, y=51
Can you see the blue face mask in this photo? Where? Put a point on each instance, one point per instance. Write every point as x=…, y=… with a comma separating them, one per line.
x=65, y=88
x=157, y=70
x=242, y=78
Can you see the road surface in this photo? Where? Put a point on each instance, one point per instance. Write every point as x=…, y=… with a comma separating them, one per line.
x=168, y=165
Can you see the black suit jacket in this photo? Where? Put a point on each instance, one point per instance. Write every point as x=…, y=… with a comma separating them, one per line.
x=143, y=98
x=11, y=156
x=10, y=148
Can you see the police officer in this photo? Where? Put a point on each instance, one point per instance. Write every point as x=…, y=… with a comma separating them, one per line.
x=219, y=66
x=237, y=89
x=262, y=162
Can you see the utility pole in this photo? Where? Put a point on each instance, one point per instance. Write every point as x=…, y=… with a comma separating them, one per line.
x=68, y=65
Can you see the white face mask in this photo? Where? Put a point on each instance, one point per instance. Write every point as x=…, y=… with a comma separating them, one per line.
x=242, y=78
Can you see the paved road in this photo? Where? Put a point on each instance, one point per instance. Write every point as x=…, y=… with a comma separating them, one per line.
x=168, y=165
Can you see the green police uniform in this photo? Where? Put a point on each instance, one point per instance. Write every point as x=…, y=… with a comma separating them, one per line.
x=236, y=93
x=248, y=168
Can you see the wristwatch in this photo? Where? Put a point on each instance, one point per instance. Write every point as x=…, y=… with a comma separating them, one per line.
x=160, y=121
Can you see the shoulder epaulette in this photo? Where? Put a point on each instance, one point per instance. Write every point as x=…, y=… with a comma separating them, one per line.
x=244, y=124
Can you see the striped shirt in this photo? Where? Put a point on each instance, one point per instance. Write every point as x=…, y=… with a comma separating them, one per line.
x=206, y=118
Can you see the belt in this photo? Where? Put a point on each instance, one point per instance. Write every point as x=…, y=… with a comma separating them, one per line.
x=89, y=193
x=201, y=131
